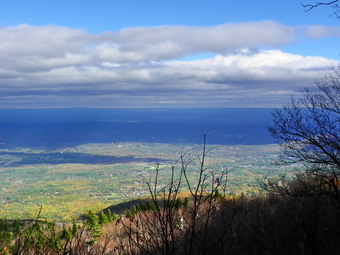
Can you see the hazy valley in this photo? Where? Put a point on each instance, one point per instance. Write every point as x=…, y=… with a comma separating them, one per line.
x=74, y=180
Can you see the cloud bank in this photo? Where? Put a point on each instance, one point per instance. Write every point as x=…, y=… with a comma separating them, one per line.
x=52, y=66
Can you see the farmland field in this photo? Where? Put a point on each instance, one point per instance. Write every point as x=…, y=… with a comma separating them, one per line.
x=70, y=181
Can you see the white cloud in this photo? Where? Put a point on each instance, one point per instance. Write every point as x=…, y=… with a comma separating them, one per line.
x=29, y=47
x=175, y=41
x=58, y=66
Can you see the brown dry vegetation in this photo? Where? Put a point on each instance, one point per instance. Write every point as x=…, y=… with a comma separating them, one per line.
x=283, y=222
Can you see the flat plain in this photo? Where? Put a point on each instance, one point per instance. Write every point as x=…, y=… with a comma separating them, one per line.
x=70, y=181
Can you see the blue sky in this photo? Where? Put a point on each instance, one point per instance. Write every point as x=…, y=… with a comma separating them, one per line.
x=162, y=53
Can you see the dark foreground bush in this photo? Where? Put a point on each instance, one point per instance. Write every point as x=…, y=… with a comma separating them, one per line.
x=282, y=222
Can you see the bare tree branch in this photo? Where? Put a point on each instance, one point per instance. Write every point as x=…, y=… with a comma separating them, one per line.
x=308, y=128
x=309, y=7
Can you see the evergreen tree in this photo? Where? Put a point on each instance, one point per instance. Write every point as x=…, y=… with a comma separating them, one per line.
x=109, y=215
x=66, y=234
x=103, y=218
x=93, y=227
x=74, y=228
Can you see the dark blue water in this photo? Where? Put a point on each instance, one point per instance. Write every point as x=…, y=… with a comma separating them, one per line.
x=58, y=128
